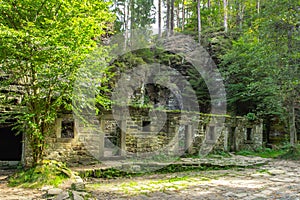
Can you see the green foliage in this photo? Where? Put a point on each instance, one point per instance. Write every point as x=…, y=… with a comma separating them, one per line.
x=111, y=173
x=264, y=153
x=164, y=158
x=49, y=172
x=182, y=168
x=292, y=153
x=251, y=116
x=219, y=153
x=261, y=69
x=42, y=44
x=106, y=173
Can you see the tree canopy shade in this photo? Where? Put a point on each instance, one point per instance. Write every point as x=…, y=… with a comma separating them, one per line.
x=262, y=68
x=42, y=44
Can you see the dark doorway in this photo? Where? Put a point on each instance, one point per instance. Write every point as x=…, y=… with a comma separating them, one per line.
x=232, y=139
x=10, y=144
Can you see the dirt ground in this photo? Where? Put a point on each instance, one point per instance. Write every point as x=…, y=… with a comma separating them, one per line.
x=276, y=180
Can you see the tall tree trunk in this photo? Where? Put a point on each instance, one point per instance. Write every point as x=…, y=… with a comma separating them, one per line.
x=240, y=15
x=168, y=18
x=172, y=17
x=258, y=6
x=225, y=16
x=159, y=18
x=208, y=3
x=183, y=15
x=132, y=15
x=199, y=21
x=177, y=16
x=126, y=21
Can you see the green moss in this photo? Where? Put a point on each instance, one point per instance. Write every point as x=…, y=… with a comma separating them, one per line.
x=47, y=173
x=264, y=153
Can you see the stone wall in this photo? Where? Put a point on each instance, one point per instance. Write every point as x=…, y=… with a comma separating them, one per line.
x=182, y=132
x=69, y=148
x=133, y=135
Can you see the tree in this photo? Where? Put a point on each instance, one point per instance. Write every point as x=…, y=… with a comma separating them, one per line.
x=225, y=15
x=262, y=68
x=172, y=17
x=42, y=44
x=199, y=20
x=168, y=17
x=183, y=15
x=159, y=18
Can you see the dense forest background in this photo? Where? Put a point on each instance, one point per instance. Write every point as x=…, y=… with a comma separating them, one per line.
x=254, y=43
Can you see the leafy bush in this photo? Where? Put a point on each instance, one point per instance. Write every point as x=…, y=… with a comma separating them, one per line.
x=49, y=172
x=293, y=153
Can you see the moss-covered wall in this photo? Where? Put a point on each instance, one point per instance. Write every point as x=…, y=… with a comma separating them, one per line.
x=180, y=133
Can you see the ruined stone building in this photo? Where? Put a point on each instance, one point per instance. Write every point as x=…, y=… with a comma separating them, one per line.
x=76, y=142
x=144, y=131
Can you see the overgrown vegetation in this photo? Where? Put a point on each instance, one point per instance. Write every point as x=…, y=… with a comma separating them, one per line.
x=42, y=46
x=285, y=152
x=265, y=152
x=112, y=173
x=293, y=153
x=146, y=186
x=49, y=172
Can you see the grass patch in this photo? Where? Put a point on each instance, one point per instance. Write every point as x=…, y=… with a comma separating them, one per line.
x=49, y=172
x=172, y=168
x=109, y=173
x=113, y=173
x=264, y=153
x=147, y=186
x=219, y=154
x=173, y=183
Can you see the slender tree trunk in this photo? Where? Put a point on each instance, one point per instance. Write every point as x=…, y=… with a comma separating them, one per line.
x=225, y=16
x=199, y=21
x=172, y=17
x=177, y=16
x=159, y=18
x=208, y=3
x=258, y=6
x=132, y=16
x=183, y=15
x=126, y=22
x=168, y=18
x=240, y=15
x=126, y=19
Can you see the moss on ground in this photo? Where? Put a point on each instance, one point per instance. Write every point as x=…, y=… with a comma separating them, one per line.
x=49, y=172
x=264, y=153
